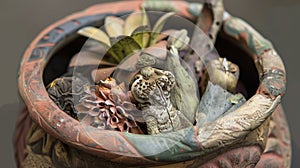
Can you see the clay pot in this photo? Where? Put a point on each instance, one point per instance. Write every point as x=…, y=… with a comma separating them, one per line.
x=258, y=133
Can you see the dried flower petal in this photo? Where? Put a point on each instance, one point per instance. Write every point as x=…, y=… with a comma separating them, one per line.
x=98, y=109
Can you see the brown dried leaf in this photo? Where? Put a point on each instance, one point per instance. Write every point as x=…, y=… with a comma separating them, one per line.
x=36, y=135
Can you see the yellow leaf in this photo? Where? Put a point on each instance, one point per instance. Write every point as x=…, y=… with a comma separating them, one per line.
x=96, y=34
x=142, y=36
x=135, y=20
x=114, y=26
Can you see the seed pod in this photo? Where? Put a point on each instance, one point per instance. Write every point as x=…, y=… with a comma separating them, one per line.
x=223, y=73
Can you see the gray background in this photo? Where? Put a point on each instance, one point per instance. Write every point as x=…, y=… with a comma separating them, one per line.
x=22, y=20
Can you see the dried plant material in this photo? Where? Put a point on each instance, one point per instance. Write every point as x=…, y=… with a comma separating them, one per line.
x=215, y=102
x=186, y=89
x=35, y=160
x=221, y=72
x=244, y=120
x=96, y=34
x=65, y=91
x=107, y=107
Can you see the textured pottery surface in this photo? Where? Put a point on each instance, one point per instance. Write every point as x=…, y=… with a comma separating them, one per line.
x=253, y=134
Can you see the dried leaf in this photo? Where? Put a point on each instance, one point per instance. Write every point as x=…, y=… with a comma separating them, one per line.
x=48, y=141
x=185, y=95
x=159, y=26
x=217, y=101
x=61, y=154
x=36, y=136
x=135, y=20
x=96, y=34
x=114, y=26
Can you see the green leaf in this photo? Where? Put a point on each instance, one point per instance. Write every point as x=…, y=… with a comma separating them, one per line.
x=96, y=34
x=123, y=47
x=142, y=36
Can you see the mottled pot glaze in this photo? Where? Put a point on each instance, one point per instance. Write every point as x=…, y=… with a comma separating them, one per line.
x=257, y=137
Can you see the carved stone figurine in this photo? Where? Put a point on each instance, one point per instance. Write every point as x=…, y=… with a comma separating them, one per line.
x=151, y=88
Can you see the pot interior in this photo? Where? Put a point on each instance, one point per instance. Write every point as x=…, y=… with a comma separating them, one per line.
x=225, y=45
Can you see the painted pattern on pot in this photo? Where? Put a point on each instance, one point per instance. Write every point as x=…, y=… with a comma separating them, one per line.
x=239, y=138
